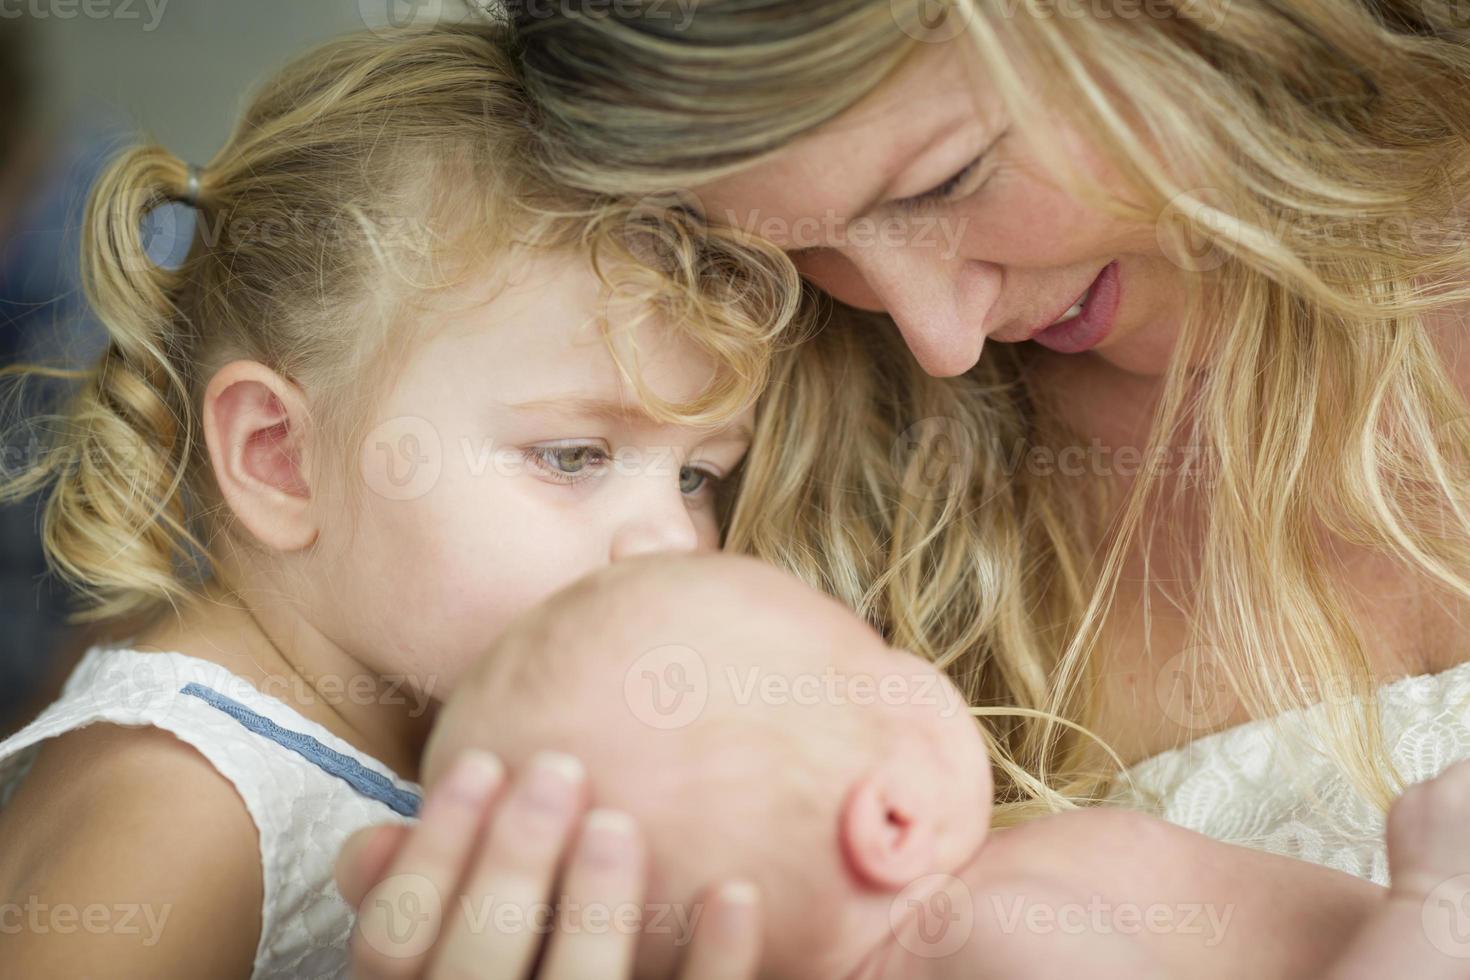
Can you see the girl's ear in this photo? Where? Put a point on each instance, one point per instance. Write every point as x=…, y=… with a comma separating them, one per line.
x=255, y=427
x=887, y=826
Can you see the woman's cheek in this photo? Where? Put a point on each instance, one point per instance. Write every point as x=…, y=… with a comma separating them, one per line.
x=839, y=277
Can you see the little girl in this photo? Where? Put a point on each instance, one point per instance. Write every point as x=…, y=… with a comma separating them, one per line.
x=398, y=392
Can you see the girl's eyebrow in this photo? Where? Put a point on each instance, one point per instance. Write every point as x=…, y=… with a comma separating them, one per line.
x=741, y=433
x=582, y=406
x=609, y=409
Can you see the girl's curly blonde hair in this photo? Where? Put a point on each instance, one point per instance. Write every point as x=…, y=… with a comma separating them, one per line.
x=373, y=171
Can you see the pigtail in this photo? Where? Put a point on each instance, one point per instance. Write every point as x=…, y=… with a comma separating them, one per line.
x=358, y=176
x=116, y=523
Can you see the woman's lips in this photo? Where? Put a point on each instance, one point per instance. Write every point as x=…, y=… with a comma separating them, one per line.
x=1095, y=321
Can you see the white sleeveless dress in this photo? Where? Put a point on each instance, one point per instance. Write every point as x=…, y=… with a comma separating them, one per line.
x=1262, y=785
x=305, y=788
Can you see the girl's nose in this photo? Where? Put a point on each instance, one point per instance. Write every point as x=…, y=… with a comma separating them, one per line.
x=662, y=528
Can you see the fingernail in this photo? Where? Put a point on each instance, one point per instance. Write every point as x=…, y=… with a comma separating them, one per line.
x=736, y=909
x=607, y=837
x=475, y=774
x=553, y=781
x=739, y=893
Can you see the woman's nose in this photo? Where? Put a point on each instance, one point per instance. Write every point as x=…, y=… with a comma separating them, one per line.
x=939, y=304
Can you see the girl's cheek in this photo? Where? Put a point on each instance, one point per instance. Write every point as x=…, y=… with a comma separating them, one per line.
x=706, y=524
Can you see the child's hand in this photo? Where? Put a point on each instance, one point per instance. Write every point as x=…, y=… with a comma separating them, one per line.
x=458, y=895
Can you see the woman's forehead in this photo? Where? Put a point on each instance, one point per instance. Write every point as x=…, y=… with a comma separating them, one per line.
x=850, y=162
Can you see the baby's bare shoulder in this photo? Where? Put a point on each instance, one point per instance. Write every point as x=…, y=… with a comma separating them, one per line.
x=128, y=855
x=1095, y=837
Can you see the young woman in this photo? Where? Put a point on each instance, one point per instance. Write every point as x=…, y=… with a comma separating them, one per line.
x=1210, y=259
x=1208, y=500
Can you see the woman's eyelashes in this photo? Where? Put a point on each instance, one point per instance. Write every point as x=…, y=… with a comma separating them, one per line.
x=577, y=462
x=945, y=191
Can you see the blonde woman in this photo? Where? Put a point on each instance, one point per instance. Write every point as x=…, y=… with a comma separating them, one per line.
x=1192, y=531
x=1199, y=269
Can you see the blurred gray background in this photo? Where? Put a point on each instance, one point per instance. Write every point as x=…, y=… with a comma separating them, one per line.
x=78, y=79
x=176, y=70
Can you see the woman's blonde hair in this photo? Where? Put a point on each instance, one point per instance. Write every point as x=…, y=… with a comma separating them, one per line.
x=1304, y=158
x=374, y=171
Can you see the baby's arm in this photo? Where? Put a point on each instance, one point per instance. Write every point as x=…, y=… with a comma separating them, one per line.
x=1422, y=929
x=1121, y=894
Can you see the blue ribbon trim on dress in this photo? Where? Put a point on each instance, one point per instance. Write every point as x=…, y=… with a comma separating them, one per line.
x=368, y=783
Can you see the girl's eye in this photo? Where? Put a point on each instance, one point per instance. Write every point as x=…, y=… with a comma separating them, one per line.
x=567, y=462
x=692, y=480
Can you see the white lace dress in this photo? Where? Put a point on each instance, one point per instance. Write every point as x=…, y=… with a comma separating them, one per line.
x=306, y=789
x=1261, y=786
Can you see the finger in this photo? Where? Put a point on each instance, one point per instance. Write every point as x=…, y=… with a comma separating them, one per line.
x=727, y=938
x=402, y=916
x=505, y=915
x=364, y=859
x=602, y=909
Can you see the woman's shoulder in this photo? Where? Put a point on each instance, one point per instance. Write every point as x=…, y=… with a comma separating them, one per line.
x=1272, y=784
x=125, y=851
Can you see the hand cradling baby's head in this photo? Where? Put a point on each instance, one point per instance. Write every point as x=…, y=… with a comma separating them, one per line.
x=755, y=728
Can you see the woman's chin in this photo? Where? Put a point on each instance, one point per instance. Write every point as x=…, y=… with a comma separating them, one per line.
x=1143, y=349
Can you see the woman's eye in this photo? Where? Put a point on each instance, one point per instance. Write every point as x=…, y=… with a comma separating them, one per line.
x=943, y=192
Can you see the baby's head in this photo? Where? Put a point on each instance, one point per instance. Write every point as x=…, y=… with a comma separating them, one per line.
x=756, y=729
x=402, y=387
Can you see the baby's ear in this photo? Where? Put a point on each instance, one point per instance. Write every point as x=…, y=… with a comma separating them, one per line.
x=887, y=826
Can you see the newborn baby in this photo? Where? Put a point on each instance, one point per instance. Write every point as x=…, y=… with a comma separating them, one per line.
x=758, y=730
